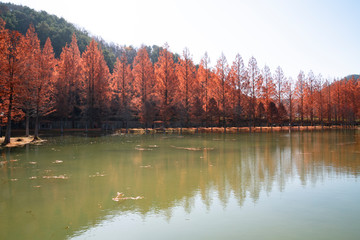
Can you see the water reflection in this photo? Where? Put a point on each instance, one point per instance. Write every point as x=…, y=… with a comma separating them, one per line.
x=169, y=171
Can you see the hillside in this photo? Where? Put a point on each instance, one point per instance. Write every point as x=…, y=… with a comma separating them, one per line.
x=60, y=32
x=355, y=76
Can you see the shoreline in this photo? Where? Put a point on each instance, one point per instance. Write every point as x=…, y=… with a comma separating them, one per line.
x=233, y=130
x=20, y=141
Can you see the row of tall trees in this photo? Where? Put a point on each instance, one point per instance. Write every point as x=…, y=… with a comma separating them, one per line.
x=79, y=87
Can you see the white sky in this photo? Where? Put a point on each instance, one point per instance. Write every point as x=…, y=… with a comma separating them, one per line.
x=321, y=35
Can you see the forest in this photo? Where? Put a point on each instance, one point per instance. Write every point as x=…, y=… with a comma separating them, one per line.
x=78, y=89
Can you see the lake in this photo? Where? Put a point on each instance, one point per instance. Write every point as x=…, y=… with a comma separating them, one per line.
x=302, y=185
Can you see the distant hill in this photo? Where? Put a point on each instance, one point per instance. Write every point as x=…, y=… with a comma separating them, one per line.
x=60, y=32
x=355, y=76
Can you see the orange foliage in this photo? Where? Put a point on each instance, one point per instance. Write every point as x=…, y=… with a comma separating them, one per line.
x=143, y=86
x=166, y=83
x=68, y=86
x=96, y=83
x=188, y=85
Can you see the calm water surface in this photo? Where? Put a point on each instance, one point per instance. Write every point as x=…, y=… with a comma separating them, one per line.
x=245, y=186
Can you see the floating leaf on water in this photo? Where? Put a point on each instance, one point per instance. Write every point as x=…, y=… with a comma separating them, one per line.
x=187, y=148
x=58, y=161
x=193, y=149
x=14, y=160
x=33, y=163
x=37, y=186
x=97, y=174
x=56, y=177
x=146, y=166
x=33, y=177
x=13, y=179
x=208, y=148
x=120, y=196
x=143, y=149
x=153, y=146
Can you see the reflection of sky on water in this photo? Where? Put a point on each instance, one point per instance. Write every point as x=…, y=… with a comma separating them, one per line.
x=310, y=212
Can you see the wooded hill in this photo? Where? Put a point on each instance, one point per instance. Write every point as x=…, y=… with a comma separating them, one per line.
x=60, y=32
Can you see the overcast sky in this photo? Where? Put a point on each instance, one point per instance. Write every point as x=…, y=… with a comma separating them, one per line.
x=321, y=35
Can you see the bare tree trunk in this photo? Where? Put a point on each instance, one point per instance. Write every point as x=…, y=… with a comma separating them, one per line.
x=27, y=123
x=36, y=132
x=8, y=126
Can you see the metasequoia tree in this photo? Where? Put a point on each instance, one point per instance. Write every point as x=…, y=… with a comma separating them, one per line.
x=254, y=83
x=3, y=34
x=309, y=96
x=205, y=84
x=268, y=93
x=96, y=79
x=143, y=86
x=69, y=86
x=11, y=70
x=185, y=70
x=166, y=83
x=327, y=98
x=222, y=74
x=337, y=100
x=299, y=92
x=43, y=85
x=30, y=56
x=289, y=94
x=279, y=82
x=319, y=98
x=237, y=78
x=122, y=88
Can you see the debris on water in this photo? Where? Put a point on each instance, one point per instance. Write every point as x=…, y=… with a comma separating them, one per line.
x=153, y=146
x=206, y=148
x=32, y=163
x=56, y=150
x=120, y=196
x=58, y=161
x=13, y=179
x=33, y=177
x=146, y=166
x=14, y=160
x=37, y=186
x=97, y=174
x=187, y=148
x=56, y=177
x=30, y=212
x=143, y=149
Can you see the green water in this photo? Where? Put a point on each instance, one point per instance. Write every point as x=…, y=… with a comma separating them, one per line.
x=244, y=186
